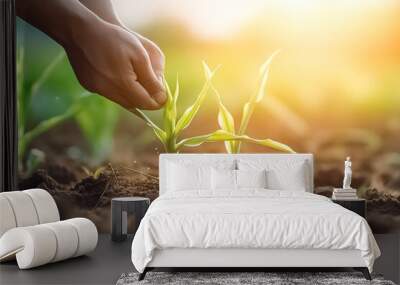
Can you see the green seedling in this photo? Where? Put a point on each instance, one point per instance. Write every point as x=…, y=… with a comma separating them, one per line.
x=227, y=123
x=96, y=173
x=172, y=127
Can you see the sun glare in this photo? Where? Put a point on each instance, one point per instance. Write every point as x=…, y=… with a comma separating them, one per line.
x=219, y=19
x=224, y=18
x=328, y=47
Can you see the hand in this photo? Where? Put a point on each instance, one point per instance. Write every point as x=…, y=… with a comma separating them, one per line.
x=107, y=58
x=120, y=65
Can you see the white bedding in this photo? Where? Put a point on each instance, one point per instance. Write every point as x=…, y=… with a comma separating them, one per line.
x=251, y=218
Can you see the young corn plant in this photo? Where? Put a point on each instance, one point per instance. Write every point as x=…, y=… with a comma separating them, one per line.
x=227, y=123
x=173, y=126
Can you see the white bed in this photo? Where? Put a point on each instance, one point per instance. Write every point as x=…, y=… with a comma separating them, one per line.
x=280, y=224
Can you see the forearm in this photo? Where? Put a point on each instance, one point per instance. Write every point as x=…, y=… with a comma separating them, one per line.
x=104, y=9
x=60, y=19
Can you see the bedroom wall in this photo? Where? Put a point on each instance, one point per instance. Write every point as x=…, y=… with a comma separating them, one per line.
x=333, y=91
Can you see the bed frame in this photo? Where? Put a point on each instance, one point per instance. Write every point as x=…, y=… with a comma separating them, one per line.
x=242, y=259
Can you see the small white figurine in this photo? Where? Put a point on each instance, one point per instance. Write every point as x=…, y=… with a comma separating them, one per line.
x=347, y=173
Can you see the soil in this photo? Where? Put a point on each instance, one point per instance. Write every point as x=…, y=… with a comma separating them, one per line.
x=133, y=171
x=91, y=196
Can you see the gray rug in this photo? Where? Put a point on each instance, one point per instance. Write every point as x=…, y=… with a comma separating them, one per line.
x=269, y=278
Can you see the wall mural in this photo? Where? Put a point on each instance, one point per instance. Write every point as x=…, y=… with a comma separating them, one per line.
x=257, y=77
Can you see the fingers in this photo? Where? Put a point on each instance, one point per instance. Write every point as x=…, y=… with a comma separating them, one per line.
x=157, y=61
x=129, y=95
x=141, y=98
x=147, y=77
x=134, y=96
x=156, y=56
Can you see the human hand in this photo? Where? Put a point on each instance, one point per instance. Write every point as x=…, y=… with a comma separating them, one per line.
x=120, y=65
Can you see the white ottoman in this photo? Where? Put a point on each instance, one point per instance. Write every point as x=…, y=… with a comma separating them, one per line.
x=31, y=232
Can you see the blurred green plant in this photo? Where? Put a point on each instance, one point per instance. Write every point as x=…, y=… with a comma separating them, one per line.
x=97, y=121
x=95, y=116
x=227, y=123
x=28, y=163
x=172, y=126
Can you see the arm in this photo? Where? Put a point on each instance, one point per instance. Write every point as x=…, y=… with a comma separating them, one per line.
x=104, y=9
x=56, y=18
x=106, y=58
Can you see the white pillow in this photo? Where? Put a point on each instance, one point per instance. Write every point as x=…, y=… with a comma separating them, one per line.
x=235, y=179
x=223, y=179
x=282, y=174
x=294, y=180
x=251, y=178
x=181, y=177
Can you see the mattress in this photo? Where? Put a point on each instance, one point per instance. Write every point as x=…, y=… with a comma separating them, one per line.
x=250, y=219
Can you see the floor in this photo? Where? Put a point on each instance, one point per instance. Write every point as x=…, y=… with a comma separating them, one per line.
x=103, y=266
x=110, y=260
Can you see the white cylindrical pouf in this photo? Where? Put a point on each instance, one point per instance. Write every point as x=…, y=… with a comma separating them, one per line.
x=67, y=240
x=87, y=234
x=31, y=232
x=34, y=246
x=45, y=205
x=7, y=218
x=23, y=208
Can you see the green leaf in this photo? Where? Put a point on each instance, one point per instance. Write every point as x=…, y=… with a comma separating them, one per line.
x=225, y=122
x=269, y=143
x=207, y=71
x=46, y=73
x=248, y=108
x=48, y=124
x=161, y=135
x=221, y=135
x=99, y=171
x=264, y=72
x=169, y=112
x=176, y=94
x=246, y=115
x=97, y=120
x=191, y=112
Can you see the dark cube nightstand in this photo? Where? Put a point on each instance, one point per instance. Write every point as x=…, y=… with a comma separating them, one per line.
x=358, y=206
x=120, y=208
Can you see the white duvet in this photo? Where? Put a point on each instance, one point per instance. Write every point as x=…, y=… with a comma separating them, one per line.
x=250, y=218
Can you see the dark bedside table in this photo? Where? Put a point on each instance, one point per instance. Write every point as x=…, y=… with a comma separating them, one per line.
x=120, y=208
x=358, y=206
